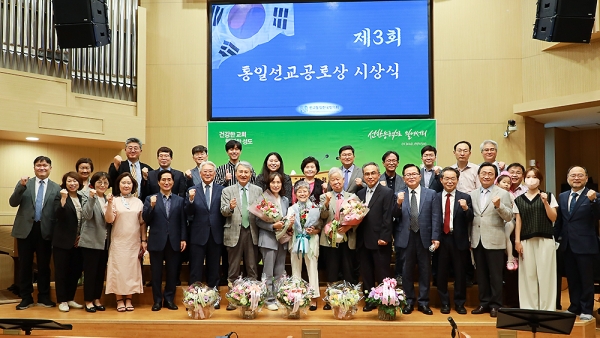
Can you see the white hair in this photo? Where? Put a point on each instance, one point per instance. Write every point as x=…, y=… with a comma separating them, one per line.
x=206, y=163
x=488, y=142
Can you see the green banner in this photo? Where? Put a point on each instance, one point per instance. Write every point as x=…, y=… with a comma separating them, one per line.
x=296, y=140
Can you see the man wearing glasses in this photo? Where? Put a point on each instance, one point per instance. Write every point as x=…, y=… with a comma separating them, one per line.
x=468, y=180
x=430, y=173
x=139, y=170
x=489, y=151
x=353, y=176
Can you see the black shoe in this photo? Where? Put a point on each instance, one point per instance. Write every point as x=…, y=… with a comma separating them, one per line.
x=99, y=307
x=494, y=312
x=25, y=303
x=231, y=307
x=460, y=309
x=327, y=306
x=425, y=310
x=217, y=305
x=178, y=283
x=479, y=310
x=170, y=305
x=156, y=307
x=89, y=309
x=312, y=308
x=46, y=302
x=369, y=307
x=445, y=309
x=407, y=310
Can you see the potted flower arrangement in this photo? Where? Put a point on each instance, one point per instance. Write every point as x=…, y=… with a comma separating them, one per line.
x=343, y=297
x=294, y=295
x=388, y=298
x=248, y=295
x=199, y=300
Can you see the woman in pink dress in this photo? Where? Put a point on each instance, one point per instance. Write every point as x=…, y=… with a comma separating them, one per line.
x=128, y=241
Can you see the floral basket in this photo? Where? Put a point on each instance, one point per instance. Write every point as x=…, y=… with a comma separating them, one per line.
x=343, y=298
x=388, y=298
x=248, y=295
x=294, y=295
x=199, y=300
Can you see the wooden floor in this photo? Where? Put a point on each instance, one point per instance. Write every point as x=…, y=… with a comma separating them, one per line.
x=167, y=323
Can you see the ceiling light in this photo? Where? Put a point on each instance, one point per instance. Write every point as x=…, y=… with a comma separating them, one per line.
x=32, y=138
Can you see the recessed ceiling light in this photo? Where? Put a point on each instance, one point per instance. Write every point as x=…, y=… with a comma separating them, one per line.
x=32, y=138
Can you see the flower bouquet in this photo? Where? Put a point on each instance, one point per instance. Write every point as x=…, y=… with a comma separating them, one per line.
x=388, y=298
x=343, y=298
x=266, y=208
x=294, y=295
x=351, y=213
x=199, y=300
x=248, y=295
x=306, y=215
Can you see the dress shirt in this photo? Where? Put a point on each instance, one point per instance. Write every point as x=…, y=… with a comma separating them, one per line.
x=452, y=198
x=484, y=197
x=167, y=203
x=427, y=173
x=37, y=187
x=521, y=189
x=391, y=181
x=468, y=180
x=369, y=194
x=571, y=197
x=417, y=195
x=241, y=191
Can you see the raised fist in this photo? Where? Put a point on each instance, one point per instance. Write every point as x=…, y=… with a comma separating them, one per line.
x=358, y=181
x=145, y=173
x=400, y=198
x=109, y=198
x=117, y=161
x=153, y=200
x=496, y=201
x=188, y=173
x=228, y=176
x=544, y=197
x=192, y=193
x=24, y=180
x=64, y=193
x=463, y=204
x=92, y=193
x=591, y=195
x=232, y=203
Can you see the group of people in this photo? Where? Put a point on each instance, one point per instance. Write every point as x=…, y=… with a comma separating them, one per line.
x=458, y=212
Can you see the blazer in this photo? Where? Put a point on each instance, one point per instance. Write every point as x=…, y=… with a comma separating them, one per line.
x=162, y=226
x=179, y=183
x=377, y=224
x=67, y=224
x=460, y=221
x=327, y=215
x=266, y=234
x=195, y=179
x=233, y=223
x=577, y=229
x=434, y=182
x=114, y=174
x=356, y=173
x=287, y=186
x=430, y=214
x=24, y=198
x=399, y=184
x=204, y=220
x=95, y=232
x=488, y=223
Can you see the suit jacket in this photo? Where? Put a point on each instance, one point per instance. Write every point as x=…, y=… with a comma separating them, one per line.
x=233, y=223
x=24, y=198
x=327, y=215
x=430, y=215
x=205, y=220
x=434, y=182
x=461, y=220
x=377, y=224
x=94, y=229
x=124, y=168
x=195, y=179
x=352, y=187
x=266, y=234
x=66, y=229
x=488, y=224
x=179, y=183
x=160, y=226
x=577, y=229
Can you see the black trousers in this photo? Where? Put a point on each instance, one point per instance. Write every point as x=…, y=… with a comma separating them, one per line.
x=68, y=264
x=374, y=265
x=94, y=270
x=416, y=254
x=171, y=259
x=580, y=276
x=490, y=263
x=211, y=252
x=450, y=256
x=27, y=247
x=337, y=259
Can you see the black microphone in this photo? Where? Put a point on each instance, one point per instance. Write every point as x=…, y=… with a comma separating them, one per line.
x=452, y=323
x=326, y=156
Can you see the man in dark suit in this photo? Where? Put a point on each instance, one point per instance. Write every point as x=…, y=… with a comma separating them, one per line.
x=192, y=176
x=139, y=170
x=457, y=214
x=430, y=173
x=165, y=217
x=165, y=156
x=418, y=233
x=374, y=234
x=33, y=228
x=575, y=228
x=206, y=228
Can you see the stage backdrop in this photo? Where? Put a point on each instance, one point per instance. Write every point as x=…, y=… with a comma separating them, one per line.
x=295, y=140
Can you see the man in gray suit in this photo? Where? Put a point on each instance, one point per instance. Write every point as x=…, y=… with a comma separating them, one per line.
x=33, y=228
x=353, y=176
x=492, y=207
x=241, y=233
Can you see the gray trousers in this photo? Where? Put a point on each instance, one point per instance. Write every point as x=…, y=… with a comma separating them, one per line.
x=273, y=266
x=245, y=251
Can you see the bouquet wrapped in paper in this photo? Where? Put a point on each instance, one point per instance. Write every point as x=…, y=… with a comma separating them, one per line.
x=388, y=297
x=306, y=215
x=247, y=294
x=293, y=295
x=343, y=298
x=199, y=300
x=351, y=213
x=267, y=208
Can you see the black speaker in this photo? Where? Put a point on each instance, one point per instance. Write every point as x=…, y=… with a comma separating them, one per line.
x=81, y=23
x=579, y=8
x=563, y=29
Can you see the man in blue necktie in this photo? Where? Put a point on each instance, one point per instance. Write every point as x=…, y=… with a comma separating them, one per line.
x=32, y=228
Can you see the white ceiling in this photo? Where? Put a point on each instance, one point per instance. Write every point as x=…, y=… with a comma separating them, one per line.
x=571, y=120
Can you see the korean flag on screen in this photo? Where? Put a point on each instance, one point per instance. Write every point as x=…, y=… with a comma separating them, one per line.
x=238, y=29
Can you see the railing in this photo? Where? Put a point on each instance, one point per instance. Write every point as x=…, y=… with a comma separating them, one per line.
x=29, y=44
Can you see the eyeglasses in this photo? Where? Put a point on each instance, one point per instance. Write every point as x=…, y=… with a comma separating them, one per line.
x=347, y=155
x=412, y=175
x=453, y=179
x=462, y=151
x=487, y=150
x=486, y=174
x=391, y=161
x=576, y=175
